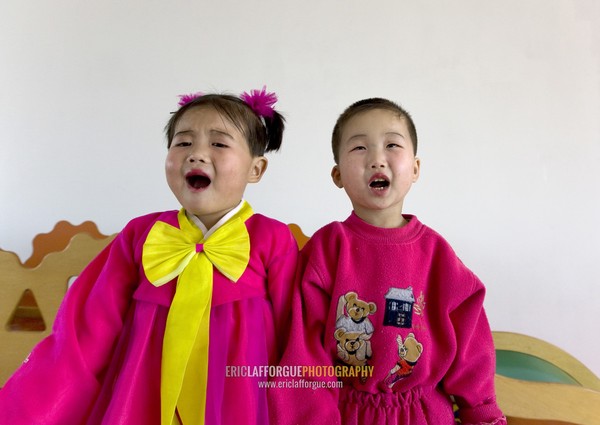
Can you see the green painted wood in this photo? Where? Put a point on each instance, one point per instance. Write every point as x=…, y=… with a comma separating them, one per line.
x=526, y=367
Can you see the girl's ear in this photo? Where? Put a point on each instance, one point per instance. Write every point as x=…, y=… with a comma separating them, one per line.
x=258, y=168
x=336, y=176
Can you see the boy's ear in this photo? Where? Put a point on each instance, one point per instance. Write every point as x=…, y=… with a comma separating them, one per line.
x=259, y=166
x=336, y=176
x=416, y=169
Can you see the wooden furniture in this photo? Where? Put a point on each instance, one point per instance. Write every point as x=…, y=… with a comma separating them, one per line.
x=538, y=383
x=58, y=239
x=300, y=237
x=30, y=296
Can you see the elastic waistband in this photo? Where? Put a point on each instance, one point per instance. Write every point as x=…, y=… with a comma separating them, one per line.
x=350, y=394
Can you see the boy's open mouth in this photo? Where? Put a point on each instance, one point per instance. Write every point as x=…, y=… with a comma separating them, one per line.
x=197, y=181
x=379, y=183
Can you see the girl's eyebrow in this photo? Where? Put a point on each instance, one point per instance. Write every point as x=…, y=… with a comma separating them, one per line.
x=211, y=131
x=221, y=132
x=182, y=132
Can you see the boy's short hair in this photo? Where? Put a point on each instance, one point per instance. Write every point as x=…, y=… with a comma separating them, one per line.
x=262, y=136
x=369, y=105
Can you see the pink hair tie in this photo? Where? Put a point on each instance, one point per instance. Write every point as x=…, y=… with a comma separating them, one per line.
x=184, y=99
x=260, y=102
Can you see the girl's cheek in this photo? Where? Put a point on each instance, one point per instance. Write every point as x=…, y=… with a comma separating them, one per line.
x=170, y=166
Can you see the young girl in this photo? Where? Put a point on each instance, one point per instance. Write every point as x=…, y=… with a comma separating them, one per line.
x=384, y=303
x=150, y=328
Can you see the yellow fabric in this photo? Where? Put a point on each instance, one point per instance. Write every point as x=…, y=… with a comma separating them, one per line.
x=170, y=252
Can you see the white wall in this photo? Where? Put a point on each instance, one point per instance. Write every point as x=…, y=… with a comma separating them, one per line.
x=505, y=95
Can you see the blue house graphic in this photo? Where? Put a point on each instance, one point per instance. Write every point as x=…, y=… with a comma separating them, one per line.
x=399, y=307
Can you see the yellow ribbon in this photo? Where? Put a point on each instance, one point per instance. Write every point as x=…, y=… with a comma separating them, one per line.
x=170, y=252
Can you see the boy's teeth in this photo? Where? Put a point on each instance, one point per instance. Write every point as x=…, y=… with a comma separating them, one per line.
x=379, y=183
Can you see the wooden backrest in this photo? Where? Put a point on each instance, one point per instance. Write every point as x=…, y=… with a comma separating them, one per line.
x=58, y=239
x=545, y=353
x=30, y=296
x=561, y=391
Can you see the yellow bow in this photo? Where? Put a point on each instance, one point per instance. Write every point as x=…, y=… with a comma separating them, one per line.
x=170, y=252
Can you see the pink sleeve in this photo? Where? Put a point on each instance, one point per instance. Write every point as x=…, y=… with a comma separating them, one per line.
x=470, y=379
x=299, y=400
x=58, y=382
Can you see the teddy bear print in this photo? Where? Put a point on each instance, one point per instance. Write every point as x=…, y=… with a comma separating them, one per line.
x=409, y=352
x=352, y=314
x=352, y=347
x=354, y=329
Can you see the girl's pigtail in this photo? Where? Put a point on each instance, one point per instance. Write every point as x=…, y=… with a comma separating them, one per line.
x=274, y=126
x=261, y=102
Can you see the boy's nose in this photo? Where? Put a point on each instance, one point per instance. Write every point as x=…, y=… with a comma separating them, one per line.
x=377, y=161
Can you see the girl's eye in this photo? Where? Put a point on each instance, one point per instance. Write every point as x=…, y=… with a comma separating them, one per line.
x=182, y=143
x=219, y=145
x=358, y=148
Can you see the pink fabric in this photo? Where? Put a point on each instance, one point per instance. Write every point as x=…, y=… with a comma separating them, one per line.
x=418, y=405
x=101, y=364
x=446, y=328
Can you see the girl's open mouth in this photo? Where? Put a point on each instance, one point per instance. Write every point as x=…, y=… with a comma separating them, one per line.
x=197, y=181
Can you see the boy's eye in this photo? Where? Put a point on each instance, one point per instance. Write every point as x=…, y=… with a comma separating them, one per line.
x=400, y=145
x=358, y=148
x=182, y=143
x=219, y=145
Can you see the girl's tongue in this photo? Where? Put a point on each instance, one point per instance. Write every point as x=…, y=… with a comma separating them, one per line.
x=198, y=181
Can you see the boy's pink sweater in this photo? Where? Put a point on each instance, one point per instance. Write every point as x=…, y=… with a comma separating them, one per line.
x=423, y=331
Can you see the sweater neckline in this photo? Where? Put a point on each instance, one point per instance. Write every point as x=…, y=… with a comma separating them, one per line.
x=406, y=233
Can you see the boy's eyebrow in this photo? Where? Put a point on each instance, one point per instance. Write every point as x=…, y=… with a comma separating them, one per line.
x=362, y=135
x=395, y=133
x=356, y=136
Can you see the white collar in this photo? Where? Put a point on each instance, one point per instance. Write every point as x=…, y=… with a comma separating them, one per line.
x=207, y=232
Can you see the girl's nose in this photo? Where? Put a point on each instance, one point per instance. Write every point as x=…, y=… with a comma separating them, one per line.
x=198, y=154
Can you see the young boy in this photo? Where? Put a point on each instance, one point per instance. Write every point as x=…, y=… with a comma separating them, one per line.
x=383, y=302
